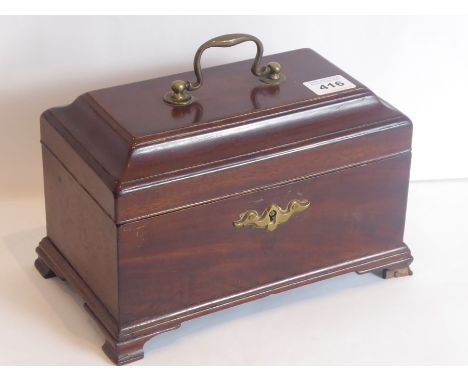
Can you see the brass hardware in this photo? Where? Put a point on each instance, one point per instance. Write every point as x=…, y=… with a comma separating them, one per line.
x=270, y=74
x=178, y=96
x=273, y=216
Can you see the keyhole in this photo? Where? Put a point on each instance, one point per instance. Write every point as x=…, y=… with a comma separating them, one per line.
x=272, y=215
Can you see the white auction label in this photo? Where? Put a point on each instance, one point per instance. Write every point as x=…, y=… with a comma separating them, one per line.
x=329, y=85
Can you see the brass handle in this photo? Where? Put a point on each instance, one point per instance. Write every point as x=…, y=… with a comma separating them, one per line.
x=273, y=216
x=270, y=74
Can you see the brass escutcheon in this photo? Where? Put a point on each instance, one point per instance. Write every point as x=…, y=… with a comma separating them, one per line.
x=272, y=217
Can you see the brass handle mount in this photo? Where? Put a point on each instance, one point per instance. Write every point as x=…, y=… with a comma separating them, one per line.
x=270, y=74
x=273, y=215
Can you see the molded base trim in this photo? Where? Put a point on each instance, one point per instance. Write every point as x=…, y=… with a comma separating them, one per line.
x=124, y=343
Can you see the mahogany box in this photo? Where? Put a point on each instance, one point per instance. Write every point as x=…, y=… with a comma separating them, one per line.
x=163, y=205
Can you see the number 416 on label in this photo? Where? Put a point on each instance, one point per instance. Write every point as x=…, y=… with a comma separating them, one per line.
x=329, y=85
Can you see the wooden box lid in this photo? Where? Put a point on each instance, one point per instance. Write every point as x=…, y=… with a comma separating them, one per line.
x=131, y=142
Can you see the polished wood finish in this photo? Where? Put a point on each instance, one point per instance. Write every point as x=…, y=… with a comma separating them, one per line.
x=150, y=154
x=141, y=196
x=354, y=213
x=124, y=342
x=91, y=249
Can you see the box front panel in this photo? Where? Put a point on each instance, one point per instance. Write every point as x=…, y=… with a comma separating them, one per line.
x=177, y=261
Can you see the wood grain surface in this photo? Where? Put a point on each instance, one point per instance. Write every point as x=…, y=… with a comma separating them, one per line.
x=141, y=196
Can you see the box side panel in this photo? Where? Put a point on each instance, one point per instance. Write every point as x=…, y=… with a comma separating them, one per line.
x=94, y=179
x=81, y=231
x=175, y=264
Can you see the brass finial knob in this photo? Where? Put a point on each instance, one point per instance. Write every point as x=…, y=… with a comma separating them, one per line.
x=178, y=86
x=273, y=75
x=275, y=71
x=178, y=95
